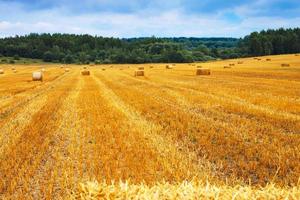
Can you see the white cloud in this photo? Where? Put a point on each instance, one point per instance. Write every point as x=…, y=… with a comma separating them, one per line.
x=173, y=22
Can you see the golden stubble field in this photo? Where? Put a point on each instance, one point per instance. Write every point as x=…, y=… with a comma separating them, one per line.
x=169, y=134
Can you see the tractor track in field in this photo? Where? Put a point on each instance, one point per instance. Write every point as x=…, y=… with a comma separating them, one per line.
x=178, y=104
x=153, y=133
x=29, y=147
x=266, y=112
x=21, y=115
x=24, y=100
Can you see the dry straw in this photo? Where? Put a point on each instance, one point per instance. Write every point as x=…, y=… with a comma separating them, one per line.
x=85, y=72
x=240, y=62
x=169, y=67
x=231, y=64
x=268, y=59
x=67, y=69
x=182, y=190
x=285, y=65
x=139, y=73
x=199, y=67
x=37, y=76
x=141, y=68
x=1, y=71
x=227, y=67
x=202, y=72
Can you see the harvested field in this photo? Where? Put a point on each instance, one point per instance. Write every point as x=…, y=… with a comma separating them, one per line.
x=233, y=134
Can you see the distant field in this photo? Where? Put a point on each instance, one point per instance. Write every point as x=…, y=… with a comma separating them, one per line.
x=229, y=132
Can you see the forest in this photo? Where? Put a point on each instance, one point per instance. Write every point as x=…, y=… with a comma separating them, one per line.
x=84, y=49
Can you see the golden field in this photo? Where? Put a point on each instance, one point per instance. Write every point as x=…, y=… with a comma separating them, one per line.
x=167, y=135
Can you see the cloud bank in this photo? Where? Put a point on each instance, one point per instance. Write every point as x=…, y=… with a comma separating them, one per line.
x=140, y=18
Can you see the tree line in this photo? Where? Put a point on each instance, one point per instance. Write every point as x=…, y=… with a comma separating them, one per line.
x=271, y=42
x=71, y=48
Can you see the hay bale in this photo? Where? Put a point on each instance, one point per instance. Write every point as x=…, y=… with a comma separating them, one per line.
x=199, y=67
x=231, y=64
x=84, y=67
x=268, y=59
x=151, y=67
x=141, y=68
x=67, y=69
x=61, y=67
x=258, y=59
x=169, y=67
x=227, y=67
x=103, y=69
x=296, y=54
x=43, y=70
x=139, y=73
x=85, y=72
x=285, y=65
x=240, y=62
x=1, y=71
x=202, y=72
x=15, y=71
x=37, y=76
x=13, y=68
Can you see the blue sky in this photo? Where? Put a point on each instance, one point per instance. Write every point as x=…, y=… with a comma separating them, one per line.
x=140, y=18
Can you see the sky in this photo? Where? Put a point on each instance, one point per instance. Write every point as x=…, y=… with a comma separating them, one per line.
x=142, y=18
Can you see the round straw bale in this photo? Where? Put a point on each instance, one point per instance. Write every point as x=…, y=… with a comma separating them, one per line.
x=198, y=67
x=67, y=69
x=1, y=71
x=202, y=72
x=169, y=67
x=139, y=73
x=37, y=76
x=285, y=65
x=227, y=67
x=141, y=68
x=240, y=62
x=85, y=72
x=231, y=64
